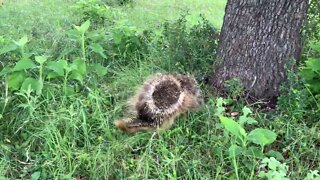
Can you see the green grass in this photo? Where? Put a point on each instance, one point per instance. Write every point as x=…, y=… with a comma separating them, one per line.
x=73, y=137
x=149, y=14
x=45, y=23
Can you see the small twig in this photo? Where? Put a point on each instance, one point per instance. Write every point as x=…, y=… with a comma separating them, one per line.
x=254, y=82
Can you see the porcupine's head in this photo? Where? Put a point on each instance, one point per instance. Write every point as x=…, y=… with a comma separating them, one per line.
x=193, y=97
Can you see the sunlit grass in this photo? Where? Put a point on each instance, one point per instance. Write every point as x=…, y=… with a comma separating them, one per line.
x=149, y=14
x=45, y=22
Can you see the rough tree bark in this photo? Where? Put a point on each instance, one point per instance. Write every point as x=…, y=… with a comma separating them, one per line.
x=257, y=39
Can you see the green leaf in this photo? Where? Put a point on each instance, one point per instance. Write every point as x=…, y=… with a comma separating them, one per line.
x=69, y=91
x=220, y=102
x=248, y=120
x=314, y=64
x=23, y=41
x=314, y=85
x=57, y=66
x=79, y=70
x=315, y=46
x=64, y=64
x=84, y=27
x=307, y=73
x=99, y=69
x=8, y=48
x=78, y=30
x=235, y=150
x=246, y=111
x=52, y=74
x=262, y=136
x=251, y=120
x=233, y=127
x=23, y=65
x=73, y=33
x=312, y=175
x=41, y=59
x=77, y=76
x=219, y=111
x=254, y=152
x=79, y=65
x=273, y=164
x=15, y=79
x=35, y=175
x=117, y=37
x=97, y=48
x=35, y=85
x=5, y=71
x=275, y=154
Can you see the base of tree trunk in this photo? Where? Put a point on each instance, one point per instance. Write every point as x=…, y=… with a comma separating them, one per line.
x=257, y=40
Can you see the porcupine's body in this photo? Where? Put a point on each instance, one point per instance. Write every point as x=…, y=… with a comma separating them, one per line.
x=159, y=101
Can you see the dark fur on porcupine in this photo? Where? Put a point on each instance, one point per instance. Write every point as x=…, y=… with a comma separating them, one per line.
x=159, y=101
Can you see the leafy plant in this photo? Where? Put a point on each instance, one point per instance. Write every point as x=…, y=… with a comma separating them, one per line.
x=95, y=10
x=234, y=88
x=257, y=136
x=93, y=43
x=312, y=175
x=312, y=27
x=127, y=43
x=21, y=43
x=275, y=170
x=241, y=143
x=14, y=46
x=311, y=74
x=79, y=35
x=118, y=2
x=295, y=99
x=26, y=75
x=192, y=48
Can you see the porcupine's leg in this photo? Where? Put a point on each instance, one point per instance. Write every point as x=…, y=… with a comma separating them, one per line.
x=166, y=124
x=133, y=125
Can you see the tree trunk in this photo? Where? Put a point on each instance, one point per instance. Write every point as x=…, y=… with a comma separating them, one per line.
x=257, y=39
